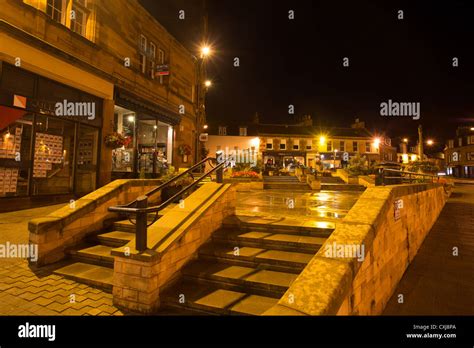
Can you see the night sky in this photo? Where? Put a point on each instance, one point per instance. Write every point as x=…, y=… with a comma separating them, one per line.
x=299, y=61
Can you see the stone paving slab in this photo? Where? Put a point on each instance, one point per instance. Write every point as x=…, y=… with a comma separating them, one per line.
x=24, y=291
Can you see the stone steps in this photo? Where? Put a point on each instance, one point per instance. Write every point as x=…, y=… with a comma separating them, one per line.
x=115, y=238
x=93, y=275
x=243, y=271
x=96, y=255
x=342, y=187
x=269, y=240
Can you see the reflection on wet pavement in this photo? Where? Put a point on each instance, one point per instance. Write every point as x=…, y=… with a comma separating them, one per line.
x=323, y=205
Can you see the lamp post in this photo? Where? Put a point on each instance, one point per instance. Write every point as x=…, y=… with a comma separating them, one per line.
x=335, y=153
x=202, y=86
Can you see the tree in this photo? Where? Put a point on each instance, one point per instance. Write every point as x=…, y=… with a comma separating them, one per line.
x=357, y=165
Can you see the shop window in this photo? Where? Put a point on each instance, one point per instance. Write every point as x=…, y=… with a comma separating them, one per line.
x=152, y=147
x=123, y=153
x=15, y=141
x=54, y=148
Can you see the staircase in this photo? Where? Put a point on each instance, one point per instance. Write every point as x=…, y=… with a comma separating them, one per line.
x=243, y=270
x=284, y=183
x=92, y=262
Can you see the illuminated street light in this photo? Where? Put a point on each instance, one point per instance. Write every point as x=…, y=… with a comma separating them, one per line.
x=205, y=126
x=322, y=140
x=376, y=143
x=429, y=142
x=205, y=51
x=405, y=140
x=208, y=83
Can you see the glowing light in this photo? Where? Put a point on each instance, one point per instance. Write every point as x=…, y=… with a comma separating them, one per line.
x=413, y=158
x=322, y=140
x=429, y=142
x=208, y=83
x=405, y=140
x=255, y=142
x=205, y=51
x=405, y=158
x=376, y=143
x=131, y=118
x=205, y=126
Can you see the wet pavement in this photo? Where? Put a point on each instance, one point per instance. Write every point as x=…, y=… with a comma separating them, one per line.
x=320, y=205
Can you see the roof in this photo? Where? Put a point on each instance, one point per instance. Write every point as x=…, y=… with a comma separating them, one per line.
x=274, y=129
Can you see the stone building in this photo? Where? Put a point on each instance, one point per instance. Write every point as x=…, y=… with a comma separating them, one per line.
x=301, y=142
x=459, y=154
x=116, y=70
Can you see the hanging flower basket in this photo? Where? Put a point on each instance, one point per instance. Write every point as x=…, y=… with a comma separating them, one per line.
x=116, y=140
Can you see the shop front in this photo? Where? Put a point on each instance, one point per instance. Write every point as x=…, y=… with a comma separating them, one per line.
x=145, y=134
x=283, y=161
x=49, y=140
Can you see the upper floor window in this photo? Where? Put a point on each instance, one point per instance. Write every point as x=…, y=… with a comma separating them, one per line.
x=329, y=145
x=79, y=17
x=152, y=60
x=55, y=9
x=309, y=145
x=296, y=144
x=459, y=141
x=222, y=130
x=355, y=146
x=450, y=144
x=367, y=146
x=142, y=53
x=243, y=131
x=342, y=145
x=283, y=144
x=161, y=60
x=269, y=144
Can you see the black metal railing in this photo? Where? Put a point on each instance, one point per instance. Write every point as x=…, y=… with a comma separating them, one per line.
x=140, y=209
x=387, y=176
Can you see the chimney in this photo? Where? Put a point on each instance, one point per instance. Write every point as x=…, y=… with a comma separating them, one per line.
x=358, y=124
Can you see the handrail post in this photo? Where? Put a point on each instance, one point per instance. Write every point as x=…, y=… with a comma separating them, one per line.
x=220, y=170
x=141, y=225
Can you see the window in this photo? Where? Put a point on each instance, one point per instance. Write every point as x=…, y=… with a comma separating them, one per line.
x=367, y=146
x=242, y=131
x=54, y=9
x=342, y=145
x=161, y=61
x=459, y=141
x=450, y=144
x=471, y=138
x=142, y=53
x=296, y=144
x=283, y=144
x=329, y=145
x=308, y=145
x=355, y=146
x=79, y=17
x=152, y=59
x=269, y=144
x=222, y=130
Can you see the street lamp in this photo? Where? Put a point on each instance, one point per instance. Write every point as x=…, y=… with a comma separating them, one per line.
x=208, y=83
x=429, y=142
x=405, y=140
x=205, y=51
x=335, y=153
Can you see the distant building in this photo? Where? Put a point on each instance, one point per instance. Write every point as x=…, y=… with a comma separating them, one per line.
x=285, y=144
x=459, y=154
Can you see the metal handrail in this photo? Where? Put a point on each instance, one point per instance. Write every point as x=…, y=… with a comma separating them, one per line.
x=403, y=175
x=142, y=209
x=163, y=185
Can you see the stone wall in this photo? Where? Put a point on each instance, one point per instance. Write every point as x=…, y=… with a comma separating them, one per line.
x=68, y=225
x=172, y=241
x=388, y=224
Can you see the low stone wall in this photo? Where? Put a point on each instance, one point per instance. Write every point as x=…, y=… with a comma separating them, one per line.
x=359, y=266
x=173, y=241
x=313, y=182
x=67, y=226
x=366, y=181
x=244, y=184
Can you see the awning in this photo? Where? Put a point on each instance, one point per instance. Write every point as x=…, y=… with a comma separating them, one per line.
x=9, y=115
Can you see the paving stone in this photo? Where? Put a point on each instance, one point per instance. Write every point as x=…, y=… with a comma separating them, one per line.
x=254, y=305
x=274, y=278
x=220, y=298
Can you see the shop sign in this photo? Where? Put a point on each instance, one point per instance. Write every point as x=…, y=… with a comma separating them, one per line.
x=162, y=70
x=203, y=137
x=19, y=101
